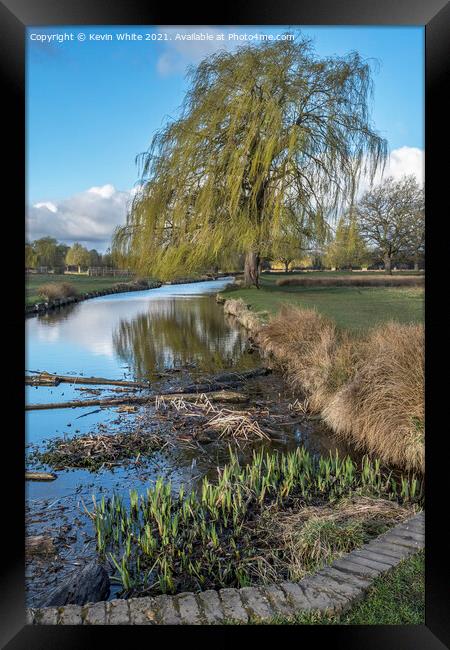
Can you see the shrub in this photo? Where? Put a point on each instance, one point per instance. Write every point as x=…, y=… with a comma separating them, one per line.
x=57, y=290
x=304, y=341
x=357, y=281
x=141, y=282
x=382, y=408
x=369, y=390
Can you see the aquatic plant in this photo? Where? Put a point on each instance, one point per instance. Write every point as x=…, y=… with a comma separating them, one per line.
x=164, y=541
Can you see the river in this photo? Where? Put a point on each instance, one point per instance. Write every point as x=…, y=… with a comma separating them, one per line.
x=169, y=336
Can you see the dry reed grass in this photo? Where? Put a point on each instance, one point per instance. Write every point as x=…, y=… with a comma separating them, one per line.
x=382, y=407
x=357, y=281
x=57, y=290
x=304, y=342
x=313, y=536
x=369, y=390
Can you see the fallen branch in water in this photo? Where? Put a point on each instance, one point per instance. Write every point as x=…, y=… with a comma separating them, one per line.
x=39, y=476
x=216, y=396
x=223, y=381
x=216, y=382
x=47, y=379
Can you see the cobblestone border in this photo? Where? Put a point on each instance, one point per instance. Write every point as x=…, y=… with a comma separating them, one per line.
x=334, y=589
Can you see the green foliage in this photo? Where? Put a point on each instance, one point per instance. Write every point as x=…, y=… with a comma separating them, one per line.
x=95, y=259
x=45, y=252
x=259, y=129
x=31, y=259
x=348, y=248
x=78, y=255
x=201, y=539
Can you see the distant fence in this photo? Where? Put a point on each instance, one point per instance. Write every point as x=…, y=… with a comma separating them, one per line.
x=100, y=270
x=92, y=270
x=39, y=269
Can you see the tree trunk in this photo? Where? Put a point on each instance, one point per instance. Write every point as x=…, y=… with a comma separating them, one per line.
x=416, y=265
x=251, y=269
x=286, y=267
x=388, y=264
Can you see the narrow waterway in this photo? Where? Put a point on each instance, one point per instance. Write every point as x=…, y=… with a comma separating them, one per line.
x=169, y=336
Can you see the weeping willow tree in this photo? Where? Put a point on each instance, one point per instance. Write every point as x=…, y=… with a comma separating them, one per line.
x=257, y=127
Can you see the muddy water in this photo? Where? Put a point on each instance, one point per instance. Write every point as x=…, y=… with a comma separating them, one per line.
x=169, y=336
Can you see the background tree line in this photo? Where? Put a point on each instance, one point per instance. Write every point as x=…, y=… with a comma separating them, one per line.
x=48, y=252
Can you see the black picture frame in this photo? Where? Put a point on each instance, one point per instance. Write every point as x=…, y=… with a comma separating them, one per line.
x=15, y=16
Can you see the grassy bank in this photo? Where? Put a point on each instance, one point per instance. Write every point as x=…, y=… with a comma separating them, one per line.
x=397, y=598
x=368, y=388
x=352, y=308
x=81, y=283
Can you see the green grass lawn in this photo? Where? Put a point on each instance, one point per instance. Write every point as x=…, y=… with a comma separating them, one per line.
x=397, y=598
x=355, y=308
x=83, y=283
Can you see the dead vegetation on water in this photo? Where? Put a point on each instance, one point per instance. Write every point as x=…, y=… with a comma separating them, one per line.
x=93, y=451
x=226, y=423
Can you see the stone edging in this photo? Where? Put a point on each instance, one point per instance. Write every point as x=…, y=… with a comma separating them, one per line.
x=334, y=589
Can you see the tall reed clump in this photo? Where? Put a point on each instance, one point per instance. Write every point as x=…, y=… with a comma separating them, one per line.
x=368, y=389
x=356, y=281
x=307, y=346
x=382, y=407
x=167, y=542
x=57, y=290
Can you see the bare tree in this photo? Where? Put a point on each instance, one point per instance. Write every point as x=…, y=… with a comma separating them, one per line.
x=387, y=216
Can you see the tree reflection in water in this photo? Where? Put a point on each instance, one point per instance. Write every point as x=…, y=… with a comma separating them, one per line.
x=179, y=333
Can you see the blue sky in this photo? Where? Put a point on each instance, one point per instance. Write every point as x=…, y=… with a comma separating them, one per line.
x=93, y=105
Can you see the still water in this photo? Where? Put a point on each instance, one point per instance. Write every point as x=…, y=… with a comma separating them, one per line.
x=169, y=336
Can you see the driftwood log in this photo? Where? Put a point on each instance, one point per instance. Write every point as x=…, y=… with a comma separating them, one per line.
x=89, y=585
x=39, y=476
x=215, y=396
x=47, y=379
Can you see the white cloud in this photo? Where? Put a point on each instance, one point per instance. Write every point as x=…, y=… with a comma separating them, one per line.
x=105, y=191
x=47, y=204
x=401, y=162
x=407, y=160
x=88, y=217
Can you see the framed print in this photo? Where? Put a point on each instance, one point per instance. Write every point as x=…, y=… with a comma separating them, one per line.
x=232, y=228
